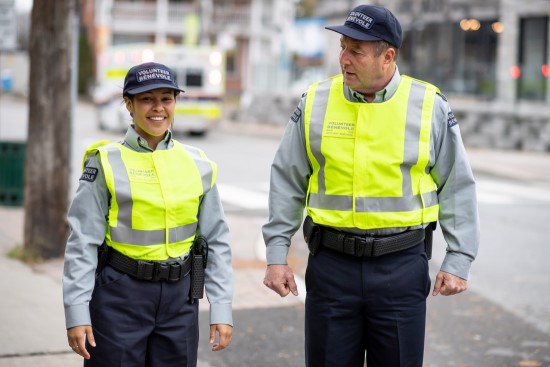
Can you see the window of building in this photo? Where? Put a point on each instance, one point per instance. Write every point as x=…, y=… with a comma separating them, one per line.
x=477, y=66
x=456, y=59
x=532, y=59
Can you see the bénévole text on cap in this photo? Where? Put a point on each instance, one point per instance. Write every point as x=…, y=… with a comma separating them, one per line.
x=148, y=76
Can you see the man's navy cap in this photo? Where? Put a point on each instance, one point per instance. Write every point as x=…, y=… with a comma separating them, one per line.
x=371, y=23
x=148, y=76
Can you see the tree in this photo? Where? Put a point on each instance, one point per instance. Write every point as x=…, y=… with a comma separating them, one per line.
x=49, y=128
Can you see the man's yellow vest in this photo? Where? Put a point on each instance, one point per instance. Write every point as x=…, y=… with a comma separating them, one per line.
x=155, y=198
x=370, y=159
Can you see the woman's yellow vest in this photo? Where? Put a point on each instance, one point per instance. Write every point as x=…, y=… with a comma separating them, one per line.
x=155, y=198
x=370, y=159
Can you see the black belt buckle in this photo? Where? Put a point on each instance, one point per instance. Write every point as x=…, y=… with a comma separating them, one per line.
x=145, y=270
x=158, y=271
x=161, y=271
x=364, y=246
x=357, y=246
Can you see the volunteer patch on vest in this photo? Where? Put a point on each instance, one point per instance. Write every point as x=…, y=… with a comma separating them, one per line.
x=339, y=129
x=89, y=174
x=142, y=175
x=451, y=120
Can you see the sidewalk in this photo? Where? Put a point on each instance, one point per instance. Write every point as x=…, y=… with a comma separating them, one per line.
x=531, y=167
x=31, y=311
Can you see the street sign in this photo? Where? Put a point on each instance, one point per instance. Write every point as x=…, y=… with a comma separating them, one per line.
x=8, y=30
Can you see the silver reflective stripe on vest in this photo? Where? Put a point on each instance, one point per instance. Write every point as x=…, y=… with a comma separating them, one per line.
x=410, y=202
x=122, y=184
x=412, y=136
x=318, y=110
x=137, y=236
x=205, y=168
x=390, y=204
x=147, y=238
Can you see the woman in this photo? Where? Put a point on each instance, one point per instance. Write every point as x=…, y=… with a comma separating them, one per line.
x=147, y=199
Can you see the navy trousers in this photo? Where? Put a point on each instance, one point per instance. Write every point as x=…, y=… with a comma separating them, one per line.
x=374, y=306
x=142, y=324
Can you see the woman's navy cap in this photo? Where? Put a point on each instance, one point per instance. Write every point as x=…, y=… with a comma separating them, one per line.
x=371, y=23
x=148, y=76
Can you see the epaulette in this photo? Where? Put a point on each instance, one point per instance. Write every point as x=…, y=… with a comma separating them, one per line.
x=442, y=96
x=97, y=144
x=92, y=149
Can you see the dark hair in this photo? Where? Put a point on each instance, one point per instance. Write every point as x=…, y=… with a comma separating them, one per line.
x=382, y=46
x=131, y=96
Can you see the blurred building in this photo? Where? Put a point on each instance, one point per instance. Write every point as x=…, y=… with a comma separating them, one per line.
x=489, y=57
x=247, y=30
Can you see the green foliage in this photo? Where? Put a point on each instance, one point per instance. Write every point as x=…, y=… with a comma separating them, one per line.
x=23, y=254
x=85, y=64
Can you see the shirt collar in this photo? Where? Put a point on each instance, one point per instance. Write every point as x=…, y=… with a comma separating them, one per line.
x=380, y=96
x=134, y=141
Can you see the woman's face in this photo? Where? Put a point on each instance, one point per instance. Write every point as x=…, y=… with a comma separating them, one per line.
x=153, y=113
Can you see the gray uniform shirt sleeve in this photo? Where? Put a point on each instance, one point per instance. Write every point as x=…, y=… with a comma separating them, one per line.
x=87, y=223
x=458, y=214
x=290, y=174
x=219, y=273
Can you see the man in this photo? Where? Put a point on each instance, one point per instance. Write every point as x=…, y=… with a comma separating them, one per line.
x=376, y=159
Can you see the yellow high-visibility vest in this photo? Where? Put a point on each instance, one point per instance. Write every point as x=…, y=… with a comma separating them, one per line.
x=155, y=198
x=370, y=159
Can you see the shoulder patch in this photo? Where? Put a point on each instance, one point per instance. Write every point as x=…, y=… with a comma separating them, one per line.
x=89, y=174
x=451, y=119
x=296, y=115
x=97, y=144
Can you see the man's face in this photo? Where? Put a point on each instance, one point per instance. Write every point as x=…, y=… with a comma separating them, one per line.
x=363, y=70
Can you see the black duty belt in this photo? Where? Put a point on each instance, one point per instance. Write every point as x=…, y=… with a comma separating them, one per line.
x=365, y=246
x=149, y=270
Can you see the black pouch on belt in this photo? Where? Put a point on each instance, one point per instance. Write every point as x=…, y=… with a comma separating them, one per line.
x=312, y=235
x=199, y=253
x=428, y=239
x=102, y=258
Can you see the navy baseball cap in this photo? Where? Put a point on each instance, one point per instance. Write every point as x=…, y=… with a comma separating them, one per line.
x=148, y=76
x=371, y=23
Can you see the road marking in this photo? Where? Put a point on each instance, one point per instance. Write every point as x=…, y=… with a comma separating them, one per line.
x=493, y=191
x=243, y=198
x=489, y=191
